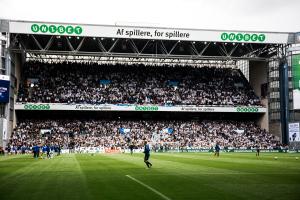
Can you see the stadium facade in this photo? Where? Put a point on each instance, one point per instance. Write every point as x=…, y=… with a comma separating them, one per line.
x=268, y=60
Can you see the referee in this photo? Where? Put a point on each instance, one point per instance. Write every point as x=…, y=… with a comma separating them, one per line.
x=147, y=154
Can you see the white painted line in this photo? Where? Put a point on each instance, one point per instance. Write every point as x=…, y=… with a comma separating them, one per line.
x=150, y=188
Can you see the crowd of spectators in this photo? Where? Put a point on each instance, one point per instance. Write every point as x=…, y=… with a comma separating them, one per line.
x=121, y=134
x=135, y=84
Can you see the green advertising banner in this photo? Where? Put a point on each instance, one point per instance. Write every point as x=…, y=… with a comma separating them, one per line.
x=296, y=71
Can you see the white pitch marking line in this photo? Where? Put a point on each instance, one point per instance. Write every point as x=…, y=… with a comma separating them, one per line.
x=150, y=188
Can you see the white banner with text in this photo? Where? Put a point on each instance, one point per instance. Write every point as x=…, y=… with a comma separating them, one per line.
x=130, y=107
x=146, y=32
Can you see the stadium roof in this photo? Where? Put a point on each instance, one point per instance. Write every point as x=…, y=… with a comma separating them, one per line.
x=41, y=40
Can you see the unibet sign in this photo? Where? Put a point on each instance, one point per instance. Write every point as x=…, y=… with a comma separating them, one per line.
x=56, y=29
x=247, y=109
x=146, y=108
x=243, y=37
x=37, y=107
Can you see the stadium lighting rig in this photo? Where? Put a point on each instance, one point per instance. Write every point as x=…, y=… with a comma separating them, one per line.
x=129, y=61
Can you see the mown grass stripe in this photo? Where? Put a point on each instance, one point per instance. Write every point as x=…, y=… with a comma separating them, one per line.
x=150, y=188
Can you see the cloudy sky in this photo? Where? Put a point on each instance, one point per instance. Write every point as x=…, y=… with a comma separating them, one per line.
x=255, y=15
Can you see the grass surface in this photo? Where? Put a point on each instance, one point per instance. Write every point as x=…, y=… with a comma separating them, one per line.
x=185, y=176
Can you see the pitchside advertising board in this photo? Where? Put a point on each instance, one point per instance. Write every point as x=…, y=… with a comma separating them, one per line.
x=4, y=88
x=137, y=108
x=145, y=32
x=294, y=132
x=296, y=80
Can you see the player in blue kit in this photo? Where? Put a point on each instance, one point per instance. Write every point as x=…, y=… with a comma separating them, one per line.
x=44, y=150
x=147, y=154
x=217, y=150
x=36, y=151
x=48, y=151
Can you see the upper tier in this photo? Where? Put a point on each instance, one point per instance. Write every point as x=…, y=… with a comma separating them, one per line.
x=137, y=84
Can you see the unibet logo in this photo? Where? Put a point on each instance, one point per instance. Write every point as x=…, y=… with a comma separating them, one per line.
x=37, y=107
x=243, y=37
x=247, y=109
x=146, y=108
x=56, y=29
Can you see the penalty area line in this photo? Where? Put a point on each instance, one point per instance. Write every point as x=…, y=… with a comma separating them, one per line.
x=150, y=188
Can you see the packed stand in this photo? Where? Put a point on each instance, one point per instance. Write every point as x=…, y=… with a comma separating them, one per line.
x=135, y=84
x=115, y=134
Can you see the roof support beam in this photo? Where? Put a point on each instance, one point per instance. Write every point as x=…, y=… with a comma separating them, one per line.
x=172, y=49
x=113, y=45
x=134, y=47
x=163, y=47
x=49, y=43
x=80, y=44
x=69, y=44
x=101, y=46
x=194, y=49
x=37, y=42
x=144, y=47
x=204, y=49
x=233, y=50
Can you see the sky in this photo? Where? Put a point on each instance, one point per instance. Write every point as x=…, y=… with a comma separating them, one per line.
x=247, y=15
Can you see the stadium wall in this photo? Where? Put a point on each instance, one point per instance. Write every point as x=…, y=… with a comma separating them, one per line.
x=18, y=67
x=5, y=101
x=296, y=116
x=263, y=120
x=275, y=129
x=257, y=77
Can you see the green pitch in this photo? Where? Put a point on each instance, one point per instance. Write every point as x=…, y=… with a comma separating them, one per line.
x=175, y=176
